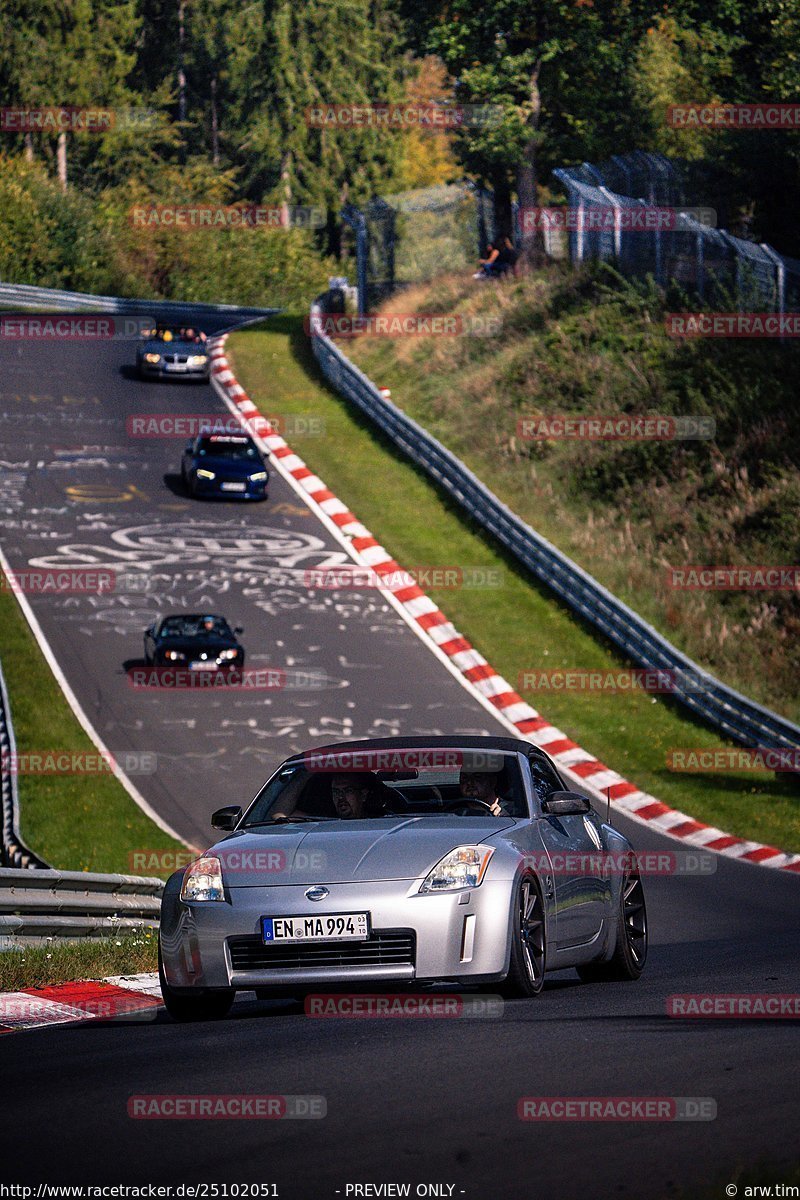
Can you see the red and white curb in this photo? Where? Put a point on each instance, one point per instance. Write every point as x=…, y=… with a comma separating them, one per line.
x=475, y=671
x=89, y=1000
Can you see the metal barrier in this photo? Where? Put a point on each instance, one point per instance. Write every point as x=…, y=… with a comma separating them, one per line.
x=24, y=295
x=13, y=851
x=39, y=904
x=703, y=695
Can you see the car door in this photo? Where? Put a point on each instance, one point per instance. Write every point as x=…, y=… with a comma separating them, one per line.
x=580, y=885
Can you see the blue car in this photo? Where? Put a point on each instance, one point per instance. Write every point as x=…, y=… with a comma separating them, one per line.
x=224, y=466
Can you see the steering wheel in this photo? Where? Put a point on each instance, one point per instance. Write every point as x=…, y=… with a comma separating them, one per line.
x=466, y=802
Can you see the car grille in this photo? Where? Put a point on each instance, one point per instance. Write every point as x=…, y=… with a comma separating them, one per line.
x=380, y=949
x=175, y=358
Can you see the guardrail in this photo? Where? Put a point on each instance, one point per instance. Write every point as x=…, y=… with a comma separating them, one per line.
x=35, y=905
x=13, y=851
x=704, y=696
x=23, y=295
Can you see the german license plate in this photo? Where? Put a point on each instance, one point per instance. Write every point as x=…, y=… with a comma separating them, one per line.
x=325, y=927
x=233, y=487
x=175, y=366
x=202, y=666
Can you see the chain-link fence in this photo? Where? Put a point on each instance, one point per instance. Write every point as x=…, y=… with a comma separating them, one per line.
x=722, y=270
x=414, y=236
x=411, y=237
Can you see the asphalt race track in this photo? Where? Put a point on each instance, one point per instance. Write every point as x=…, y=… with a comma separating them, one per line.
x=79, y=492
x=428, y=1101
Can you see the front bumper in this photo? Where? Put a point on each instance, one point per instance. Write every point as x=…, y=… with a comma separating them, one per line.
x=211, y=489
x=176, y=371
x=456, y=936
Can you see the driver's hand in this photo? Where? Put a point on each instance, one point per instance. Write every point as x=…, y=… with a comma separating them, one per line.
x=496, y=810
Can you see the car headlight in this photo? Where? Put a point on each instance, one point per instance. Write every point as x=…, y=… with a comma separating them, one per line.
x=197, y=360
x=227, y=654
x=204, y=474
x=203, y=880
x=259, y=477
x=152, y=358
x=174, y=655
x=463, y=867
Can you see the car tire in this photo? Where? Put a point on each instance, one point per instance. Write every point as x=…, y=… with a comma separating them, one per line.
x=528, y=941
x=194, y=1004
x=630, y=950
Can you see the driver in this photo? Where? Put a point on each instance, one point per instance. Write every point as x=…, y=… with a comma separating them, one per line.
x=208, y=625
x=483, y=786
x=350, y=793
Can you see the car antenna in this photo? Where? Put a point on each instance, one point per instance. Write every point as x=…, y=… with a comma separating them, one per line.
x=608, y=804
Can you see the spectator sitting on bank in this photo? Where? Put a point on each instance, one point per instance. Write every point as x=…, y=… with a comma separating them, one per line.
x=490, y=266
x=508, y=256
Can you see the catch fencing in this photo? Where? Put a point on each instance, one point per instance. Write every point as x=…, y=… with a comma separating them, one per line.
x=704, y=261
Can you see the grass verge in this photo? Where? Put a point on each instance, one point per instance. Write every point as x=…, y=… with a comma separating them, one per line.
x=75, y=822
x=518, y=626
x=64, y=962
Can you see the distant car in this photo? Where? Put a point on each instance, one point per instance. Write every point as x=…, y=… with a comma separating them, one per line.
x=195, y=642
x=225, y=466
x=372, y=864
x=173, y=352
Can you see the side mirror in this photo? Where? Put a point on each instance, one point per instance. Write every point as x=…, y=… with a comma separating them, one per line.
x=566, y=804
x=149, y=631
x=238, y=629
x=189, y=447
x=226, y=818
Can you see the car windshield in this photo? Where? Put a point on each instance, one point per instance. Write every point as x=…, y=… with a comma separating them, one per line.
x=194, y=627
x=227, y=447
x=467, y=783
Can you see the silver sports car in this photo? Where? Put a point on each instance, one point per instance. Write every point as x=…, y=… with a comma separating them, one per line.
x=403, y=862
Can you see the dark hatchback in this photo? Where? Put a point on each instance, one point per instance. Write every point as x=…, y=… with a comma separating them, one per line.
x=225, y=466
x=195, y=642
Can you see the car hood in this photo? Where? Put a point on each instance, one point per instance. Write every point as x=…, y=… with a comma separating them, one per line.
x=196, y=645
x=174, y=347
x=229, y=466
x=347, y=851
